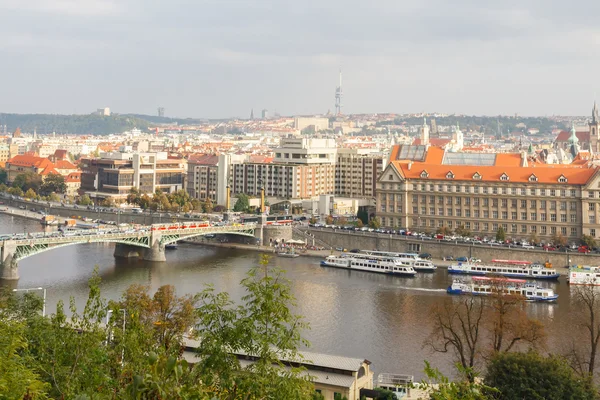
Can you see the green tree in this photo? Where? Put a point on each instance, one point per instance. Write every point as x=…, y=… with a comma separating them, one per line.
x=144, y=201
x=28, y=180
x=375, y=223
x=386, y=394
x=3, y=176
x=134, y=196
x=242, y=204
x=16, y=191
x=30, y=194
x=53, y=197
x=531, y=376
x=208, y=205
x=441, y=388
x=3, y=188
x=444, y=230
x=329, y=220
x=54, y=183
x=312, y=220
x=363, y=215
x=85, y=200
x=588, y=241
x=500, y=234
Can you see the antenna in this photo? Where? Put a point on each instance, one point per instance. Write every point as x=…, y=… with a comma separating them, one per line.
x=338, y=97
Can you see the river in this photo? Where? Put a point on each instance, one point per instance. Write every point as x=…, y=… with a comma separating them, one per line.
x=357, y=314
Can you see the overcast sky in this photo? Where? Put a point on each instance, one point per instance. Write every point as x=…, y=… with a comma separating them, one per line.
x=220, y=58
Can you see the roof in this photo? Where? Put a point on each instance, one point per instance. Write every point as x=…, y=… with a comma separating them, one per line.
x=433, y=141
x=564, y=136
x=73, y=177
x=203, y=159
x=64, y=164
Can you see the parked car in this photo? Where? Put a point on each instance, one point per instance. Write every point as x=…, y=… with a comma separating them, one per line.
x=583, y=249
x=425, y=256
x=462, y=259
x=474, y=260
x=355, y=251
x=448, y=258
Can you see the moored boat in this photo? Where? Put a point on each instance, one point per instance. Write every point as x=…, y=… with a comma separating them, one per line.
x=171, y=246
x=289, y=253
x=365, y=262
x=584, y=275
x=486, y=286
x=411, y=259
x=506, y=268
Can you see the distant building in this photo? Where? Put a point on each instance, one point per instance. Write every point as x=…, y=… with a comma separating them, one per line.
x=357, y=171
x=589, y=139
x=28, y=163
x=73, y=182
x=103, y=111
x=17, y=133
x=265, y=114
x=318, y=123
x=4, y=154
x=161, y=111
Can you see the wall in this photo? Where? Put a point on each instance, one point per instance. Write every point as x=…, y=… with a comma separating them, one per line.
x=438, y=249
x=276, y=232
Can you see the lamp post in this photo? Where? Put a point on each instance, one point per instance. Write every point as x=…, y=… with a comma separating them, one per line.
x=38, y=288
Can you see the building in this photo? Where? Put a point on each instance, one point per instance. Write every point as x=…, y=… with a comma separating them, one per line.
x=316, y=123
x=28, y=163
x=202, y=176
x=427, y=188
x=357, y=171
x=4, y=154
x=301, y=168
x=589, y=139
x=265, y=114
x=73, y=182
x=113, y=175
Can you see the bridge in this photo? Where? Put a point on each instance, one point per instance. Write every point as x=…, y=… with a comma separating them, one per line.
x=146, y=242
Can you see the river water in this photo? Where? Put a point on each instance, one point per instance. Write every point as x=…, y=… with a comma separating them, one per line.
x=352, y=313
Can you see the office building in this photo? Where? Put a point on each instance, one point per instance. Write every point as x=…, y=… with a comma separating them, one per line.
x=357, y=171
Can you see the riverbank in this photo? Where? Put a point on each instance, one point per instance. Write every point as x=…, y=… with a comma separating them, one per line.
x=16, y=212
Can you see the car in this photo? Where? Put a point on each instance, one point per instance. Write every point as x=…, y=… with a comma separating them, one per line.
x=22, y=207
x=474, y=260
x=462, y=259
x=448, y=258
x=527, y=246
x=340, y=249
x=355, y=251
x=425, y=256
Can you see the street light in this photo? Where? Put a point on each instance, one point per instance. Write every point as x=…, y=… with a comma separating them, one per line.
x=39, y=288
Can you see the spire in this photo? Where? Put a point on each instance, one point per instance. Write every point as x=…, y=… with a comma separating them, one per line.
x=573, y=139
x=595, y=117
x=424, y=121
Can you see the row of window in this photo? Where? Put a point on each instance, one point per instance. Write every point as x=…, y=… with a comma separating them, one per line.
x=523, y=191
x=476, y=201
x=449, y=212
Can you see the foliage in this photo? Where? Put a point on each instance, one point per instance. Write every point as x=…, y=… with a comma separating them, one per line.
x=586, y=316
x=208, y=205
x=441, y=388
x=363, y=215
x=3, y=176
x=85, y=200
x=108, y=202
x=30, y=194
x=500, y=234
x=444, y=230
x=28, y=180
x=54, y=183
x=16, y=191
x=359, y=223
x=375, y=223
x=559, y=240
x=588, y=241
x=242, y=204
x=385, y=394
x=534, y=238
x=329, y=220
x=312, y=220
x=462, y=231
x=532, y=376
x=342, y=221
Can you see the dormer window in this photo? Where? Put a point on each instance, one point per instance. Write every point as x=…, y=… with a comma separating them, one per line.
x=562, y=179
x=533, y=178
x=477, y=176
x=504, y=177
x=424, y=174
x=449, y=175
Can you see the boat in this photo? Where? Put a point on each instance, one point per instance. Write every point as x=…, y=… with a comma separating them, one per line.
x=412, y=259
x=289, y=253
x=49, y=220
x=402, y=386
x=584, y=275
x=171, y=246
x=365, y=262
x=485, y=286
x=507, y=268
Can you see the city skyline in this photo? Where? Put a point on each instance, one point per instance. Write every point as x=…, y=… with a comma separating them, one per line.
x=222, y=59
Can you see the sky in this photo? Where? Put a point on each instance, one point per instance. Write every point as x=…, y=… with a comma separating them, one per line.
x=222, y=58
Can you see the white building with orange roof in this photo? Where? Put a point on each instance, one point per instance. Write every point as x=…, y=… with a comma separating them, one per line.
x=427, y=188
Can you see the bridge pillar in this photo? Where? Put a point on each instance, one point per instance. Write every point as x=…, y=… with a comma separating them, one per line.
x=127, y=250
x=259, y=231
x=9, y=269
x=156, y=252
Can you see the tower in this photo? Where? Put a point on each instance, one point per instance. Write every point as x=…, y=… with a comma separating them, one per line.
x=161, y=111
x=434, y=129
x=425, y=133
x=457, y=139
x=338, y=97
x=594, y=130
x=252, y=114
x=574, y=141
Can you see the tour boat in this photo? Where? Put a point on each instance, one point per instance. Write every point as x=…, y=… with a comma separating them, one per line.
x=485, y=286
x=365, y=262
x=289, y=253
x=508, y=268
x=584, y=275
x=412, y=259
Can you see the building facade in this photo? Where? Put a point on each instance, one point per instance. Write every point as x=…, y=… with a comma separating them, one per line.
x=482, y=192
x=357, y=171
x=202, y=176
x=113, y=175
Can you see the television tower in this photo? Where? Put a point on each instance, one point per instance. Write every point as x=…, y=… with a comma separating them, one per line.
x=338, y=97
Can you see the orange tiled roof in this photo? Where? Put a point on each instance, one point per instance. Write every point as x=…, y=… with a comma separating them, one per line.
x=64, y=164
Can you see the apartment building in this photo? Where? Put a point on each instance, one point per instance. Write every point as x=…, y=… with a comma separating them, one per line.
x=426, y=188
x=301, y=168
x=115, y=174
x=4, y=154
x=202, y=176
x=357, y=171
x=28, y=163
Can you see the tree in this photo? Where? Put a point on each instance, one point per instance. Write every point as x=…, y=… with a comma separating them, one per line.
x=85, y=200
x=312, y=220
x=586, y=315
x=385, y=394
x=329, y=220
x=144, y=201
x=440, y=387
x=28, y=180
x=444, y=230
x=359, y=223
x=30, y=194
x=208, y=205
x=533, y=238
x=457, y=328
x=108, y=202
x=242, y=204
x=375, y=223
x=531, y=376
x=363, y=215
x=3, y=176
x=559, y=240
x=3, y=188
x=462, y=231
x=342, y=221
x=54, y=183
x=134, y=196
x=500, y=234
x=53, y=197
x=16, y=191
x=588, y=241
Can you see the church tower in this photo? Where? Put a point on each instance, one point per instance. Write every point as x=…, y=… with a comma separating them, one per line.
x=594, y=130
x=425, y=133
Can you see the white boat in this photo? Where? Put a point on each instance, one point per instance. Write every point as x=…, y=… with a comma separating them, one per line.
x=485, y=286
x=584, y=275
x=507, y=268
x=365, y=262
x=412, y=258
x=289, y=253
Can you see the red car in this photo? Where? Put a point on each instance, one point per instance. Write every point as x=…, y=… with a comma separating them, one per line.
x=583, y=249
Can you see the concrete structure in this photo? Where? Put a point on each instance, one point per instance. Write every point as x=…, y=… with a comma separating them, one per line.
x=317, y=123
x=113, y=175
x=148, y=242
x=429, y=188
x=357, y=171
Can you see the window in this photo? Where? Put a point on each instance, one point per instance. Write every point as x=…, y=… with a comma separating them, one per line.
x=542, y=203
x=593, y=232
x=523, y=228
x=441, y=211
x=542, y=192
x=553, y=205
x=486, y=214
x=495, y=227
x=423, y=210
x=504, y=215
x=533, y=216
x=573, y=193
x=523, y=191
x=390, y=177
x=504, y=177
x=415, y=210
x=563, y=205
x=533, y=229
x=494, y=190
x=572, y=206
x=449, y=175
x=468, y=213
x=467, y=225
x=513, y=203
x=523, y=203
x=457, y=201
x=513, y=215
x=592, y=206
x=533, y=204
x=504, y=202
x=424, y=174
x=563, y=217
x=476, y=226
x=524, y=216
x=485, y=190
x=563, y=193
x=552, y=192
x=495, y=214
x=513, y=191
x=449, y=201
x=504, y=190
x=440, y=200
x=459, y=213
x=591, y=195
x=476, y=202
x=467, y=201
x=476, y=213
x=486, y=202
x=533, y=178
x=513, y=228
x=592, y=219
x=573, y=231
x=486, y=227
x=553, y=217
x=573, y=217
x=431, y=211
x=543, y=230
x=563, y=230
x=477, y=176
x=562, y=179
x=449, y=211
x=543, y=217
x=553, y=230
x=431, y=199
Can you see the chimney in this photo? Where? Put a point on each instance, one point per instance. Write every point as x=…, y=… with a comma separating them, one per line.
x=409, y=165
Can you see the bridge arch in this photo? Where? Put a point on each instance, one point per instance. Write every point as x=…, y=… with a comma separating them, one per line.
x=168, y=239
